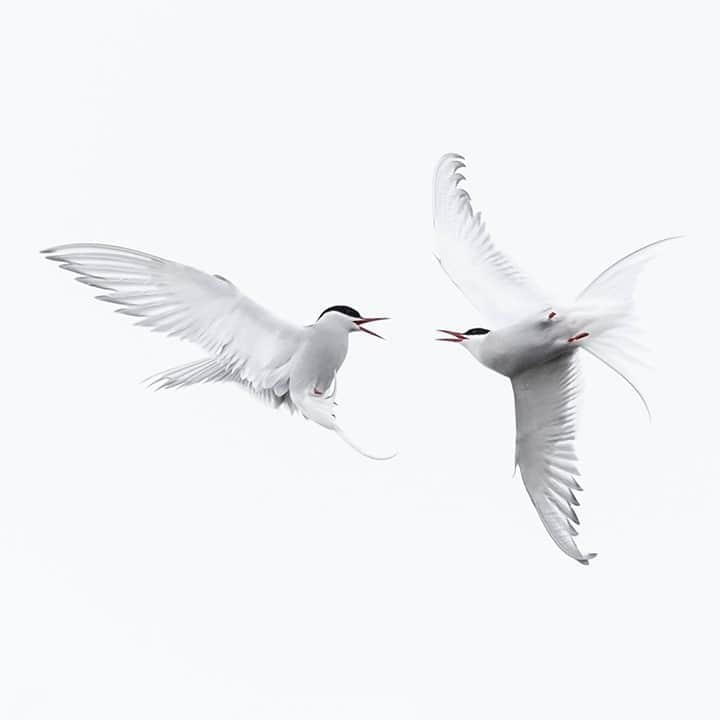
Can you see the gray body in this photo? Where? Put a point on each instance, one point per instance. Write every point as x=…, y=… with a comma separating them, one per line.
x=529, y=343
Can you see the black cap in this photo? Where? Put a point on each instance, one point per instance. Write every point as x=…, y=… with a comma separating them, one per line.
x=344, y=309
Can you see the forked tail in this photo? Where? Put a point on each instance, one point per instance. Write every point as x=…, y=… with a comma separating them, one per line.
x=608, y=304
x=341, y=433
x=321, y=410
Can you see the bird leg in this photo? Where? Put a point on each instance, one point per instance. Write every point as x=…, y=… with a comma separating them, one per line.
x=579, y=336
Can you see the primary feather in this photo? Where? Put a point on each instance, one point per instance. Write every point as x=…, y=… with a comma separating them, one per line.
x=484, y=274
x=248, y=343
x=546, y=404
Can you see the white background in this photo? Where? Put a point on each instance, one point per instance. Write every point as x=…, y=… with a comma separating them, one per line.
x=195, y=555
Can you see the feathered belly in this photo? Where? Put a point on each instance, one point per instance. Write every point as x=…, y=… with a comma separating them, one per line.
x=516, y=349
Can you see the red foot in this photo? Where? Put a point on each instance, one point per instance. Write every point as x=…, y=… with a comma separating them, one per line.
x=580, y=336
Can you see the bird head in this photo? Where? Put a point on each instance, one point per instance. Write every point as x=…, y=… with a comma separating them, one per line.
x=472, y=339
x=348, y=318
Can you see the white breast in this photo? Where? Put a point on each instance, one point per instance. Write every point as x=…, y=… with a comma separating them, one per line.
x=319, y=359
x=529, y=343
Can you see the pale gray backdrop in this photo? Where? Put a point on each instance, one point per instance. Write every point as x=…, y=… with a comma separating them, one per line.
x=193, y=555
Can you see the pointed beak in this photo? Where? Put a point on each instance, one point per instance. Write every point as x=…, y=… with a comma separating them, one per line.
x=362, y=321
x=456, y=336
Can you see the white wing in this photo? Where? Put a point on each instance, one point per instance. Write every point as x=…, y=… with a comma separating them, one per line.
x=546, y=399
x=484, y=274
x=249, y=344
x=210, y=370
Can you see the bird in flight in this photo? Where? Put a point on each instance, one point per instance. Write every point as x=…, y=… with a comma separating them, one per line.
x=535, y=344
x=284, y=364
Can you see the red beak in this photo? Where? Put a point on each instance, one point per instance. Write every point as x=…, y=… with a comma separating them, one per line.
x=362, y=322
x=456, y=336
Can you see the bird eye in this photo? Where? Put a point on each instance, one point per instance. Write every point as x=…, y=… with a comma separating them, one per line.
x=552, y=315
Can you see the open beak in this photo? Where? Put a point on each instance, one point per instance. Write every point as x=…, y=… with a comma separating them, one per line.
x=456, y=336
x=363, y=321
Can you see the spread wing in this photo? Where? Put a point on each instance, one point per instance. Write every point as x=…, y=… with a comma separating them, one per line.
x=247, y=342
x=546, y=399
x=484, y=274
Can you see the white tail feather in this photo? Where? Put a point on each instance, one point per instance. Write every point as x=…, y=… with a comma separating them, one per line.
x=356, y=447
x=321, y=410
x=608, y=303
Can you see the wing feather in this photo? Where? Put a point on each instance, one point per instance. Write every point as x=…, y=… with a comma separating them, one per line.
x=484, y=274
x=546, y=404
x=248, y=343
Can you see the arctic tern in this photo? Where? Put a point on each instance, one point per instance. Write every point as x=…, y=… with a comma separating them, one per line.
x=284, y=364
x=534, y=343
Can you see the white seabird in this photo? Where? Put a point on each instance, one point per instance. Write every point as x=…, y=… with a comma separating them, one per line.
x=535, y=343
x=284, y=364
